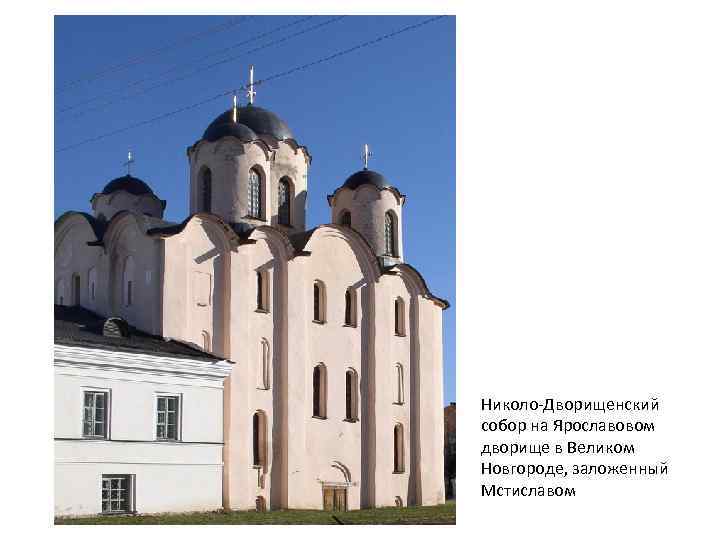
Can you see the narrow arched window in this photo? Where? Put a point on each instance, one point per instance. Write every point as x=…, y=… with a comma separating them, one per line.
x=206, y=190
x=399, y=454
x=128, y=280
x=76, y=289
x=259, y=441
x=319, y=391
x=254, y=194
x=92, y=280
x=345, y=218
x=400, y=384
x=263, y=368
x=263, y=291
x=390, y=234
x=205, y=337
x=284, y=198
x=350, y=307
x=399, y=317
x=351, y=395
x=319, y=302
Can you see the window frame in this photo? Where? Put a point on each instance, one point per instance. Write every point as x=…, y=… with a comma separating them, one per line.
x=178, y=413
x=390, y=234
x=259, y=441
x=130, y=497
x=206, y=189
x=319, y=302
x=400, y=384
x=399, y=316
x=106, y=414
x=319, y=411
x=253, y=212
x=398, y=448
x=263, y=375
x=351, y=400
x=262, y=291
x=350, y=308
x=282, y=219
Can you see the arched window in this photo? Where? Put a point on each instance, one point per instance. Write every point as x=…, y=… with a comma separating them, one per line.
x=76, y=289
x=284, y=198
x=400, y=384
x=345, y=218
x=399, y=317
x=205, y=337
x=320, y=391
x=259, y=440
x=128, y=279
x=351, y=395
x=206, y=190
x=390, y=234
x=92, y=281
x=350, y=307
x=263, y=291
x=263, y=368
x=399, y=457
x=319, y=304
x=254, y=194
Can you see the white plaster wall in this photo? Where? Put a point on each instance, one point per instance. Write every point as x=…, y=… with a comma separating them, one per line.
x=171, y=476
x=195, y=287
x=316, y=444
x=390, y=350
x=368, y=205
x=73, y=255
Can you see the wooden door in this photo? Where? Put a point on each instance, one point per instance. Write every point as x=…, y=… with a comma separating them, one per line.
x=340, y=499
x=328, y=498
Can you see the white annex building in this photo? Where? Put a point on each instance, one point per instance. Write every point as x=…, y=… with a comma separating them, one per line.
x=332, y=375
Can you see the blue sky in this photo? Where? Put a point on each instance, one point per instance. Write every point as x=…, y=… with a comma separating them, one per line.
x=397, y=95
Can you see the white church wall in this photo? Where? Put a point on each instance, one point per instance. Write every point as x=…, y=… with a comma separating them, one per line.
x=169, y=476
x=73, y=257
x=333, y=440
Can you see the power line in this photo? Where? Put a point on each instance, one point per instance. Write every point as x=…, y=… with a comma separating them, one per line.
x=186, y=65
x=261, y=81
x=202, y=69
x=153, y=52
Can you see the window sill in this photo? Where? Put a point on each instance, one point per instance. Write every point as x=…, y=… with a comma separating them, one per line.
x=400, y=335
x=320, y=417
x=398, y=403
x=168, y=440
x=351, y=420
x=89, y=438
x=262, y=388
x=319, y=322
x=254, y=218
x=398, y=472
x=259, y=310
x=346, y=325
x=257, y=467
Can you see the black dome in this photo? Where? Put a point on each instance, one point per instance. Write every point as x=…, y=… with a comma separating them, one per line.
x=366, y=177
x=251, y=122
x=128, y=183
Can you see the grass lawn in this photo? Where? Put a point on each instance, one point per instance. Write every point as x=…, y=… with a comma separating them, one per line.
x=415, y=515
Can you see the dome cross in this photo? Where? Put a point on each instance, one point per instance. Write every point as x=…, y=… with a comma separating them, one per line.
x=130, y=161
x=251, y=87
x=366, y=154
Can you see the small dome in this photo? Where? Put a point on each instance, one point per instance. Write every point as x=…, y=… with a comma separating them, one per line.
x=128, y=183
x=251, y=122
x=366, y=177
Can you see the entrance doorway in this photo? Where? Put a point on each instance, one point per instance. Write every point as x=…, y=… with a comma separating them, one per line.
x=335, y=498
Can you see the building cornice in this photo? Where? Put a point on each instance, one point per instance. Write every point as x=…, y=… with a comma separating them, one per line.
x=73, y=356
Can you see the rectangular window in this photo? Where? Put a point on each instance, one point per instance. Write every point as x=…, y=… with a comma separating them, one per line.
x=129, y=293
x=117, y=493
x=168, y=416
x=95, y=414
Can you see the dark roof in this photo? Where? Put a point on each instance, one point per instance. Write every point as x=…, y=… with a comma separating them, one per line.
x=128, y=183
x=366, y=176
x=251, y=122
x=80, y=327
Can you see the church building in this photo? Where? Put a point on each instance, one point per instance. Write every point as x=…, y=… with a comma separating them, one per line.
x=334, y=392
